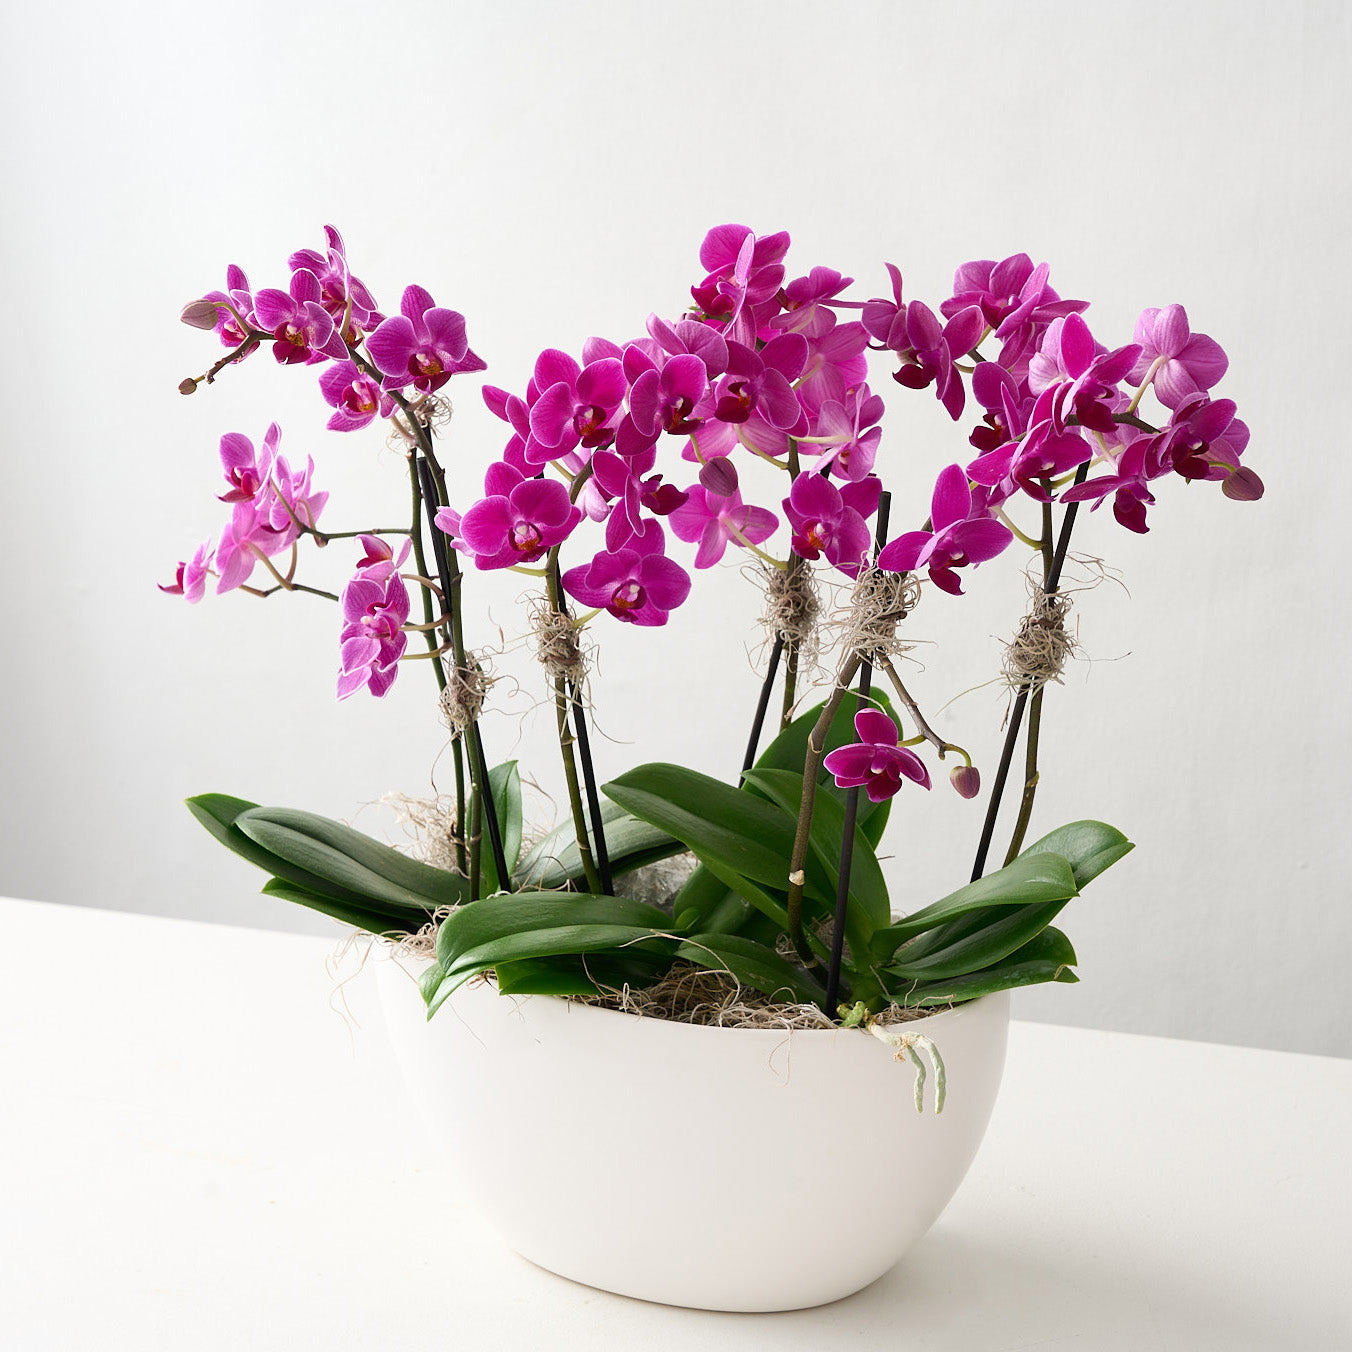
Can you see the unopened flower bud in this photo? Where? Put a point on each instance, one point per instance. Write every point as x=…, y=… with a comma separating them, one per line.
x=719, y=476
x=187, y=386
x=200, y=314
x=966, y=779
x=1243, y=485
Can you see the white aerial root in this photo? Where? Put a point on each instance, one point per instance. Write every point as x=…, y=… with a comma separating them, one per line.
x=906, y=1044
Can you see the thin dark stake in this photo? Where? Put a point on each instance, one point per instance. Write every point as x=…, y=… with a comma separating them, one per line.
x=763, y=704
x=476, y=747
x=602, y=854
x=852, y=802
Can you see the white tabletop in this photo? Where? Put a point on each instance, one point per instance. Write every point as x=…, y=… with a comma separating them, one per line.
x=202, y=1149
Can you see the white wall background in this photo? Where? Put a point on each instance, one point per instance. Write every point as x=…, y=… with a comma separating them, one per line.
x=550, y=169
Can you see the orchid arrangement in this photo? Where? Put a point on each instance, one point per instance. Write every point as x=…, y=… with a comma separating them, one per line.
x=621, y=482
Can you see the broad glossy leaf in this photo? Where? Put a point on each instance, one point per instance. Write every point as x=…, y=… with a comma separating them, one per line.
x=1029, y=880
x=580, y=974
x=373, y=921
x=542, y=943
x=766, y=900
x=343, y=856
x=555, y=861
x=219, y=813
x=728, y=829
x=504, y=782
x=1046, y=958
x=509, y=913
x=1005, y=932
x=753, y=965
x=1089, y=847
x=707, y=903
x=868, y=888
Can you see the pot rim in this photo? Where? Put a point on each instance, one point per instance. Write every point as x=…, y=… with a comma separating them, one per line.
x=578, y=1009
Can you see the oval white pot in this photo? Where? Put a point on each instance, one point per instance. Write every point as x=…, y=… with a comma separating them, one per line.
x=718, y=1168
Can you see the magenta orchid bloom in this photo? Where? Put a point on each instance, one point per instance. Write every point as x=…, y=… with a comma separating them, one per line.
x=244, y=472
x=1204, y=439
x=625, y=487
x=849, y=430
x=1127, y=484
x=663, y=401
x=236, y=299
x=1008, y=406
x=824, y=522
x=1015, y=302
x=190, y=579
x=1177, y=362
x=518, y=522
x=271, y=504
x=301, y=328
x=637, y=584
x=577, y=405
x=836, y=367
x=763, y=382
x=876, y=763
x=715, y=519
x=349, y=304
x=1022, y=444
x=379, y=560
x=688, y=337
x=808, y=301
x=961, y=534
x=358, y=399
x=423, y=345
x=1084, y=376
x=375, y=606
x=744, y=276
x=929, y=351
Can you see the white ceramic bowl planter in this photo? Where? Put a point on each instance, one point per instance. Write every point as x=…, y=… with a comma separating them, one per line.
x=566, y=1116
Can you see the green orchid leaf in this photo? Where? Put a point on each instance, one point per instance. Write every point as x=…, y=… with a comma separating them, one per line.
x=1048, y=957
x=554, y=861
x=505, y=782
x=728, y=829
x=373, y=921
x=580, y=974
x=504, y=785
x=1029, y=880
x=543, y=943
x=872, y=818
x=429, y=981
x=753, y=965
x=767, y=901
x=707, y=903
x=544, y=976
x=1005, y=931
x=353, y=861
x=868, y=888
x=1049, y=946
x=220, y=814
x=512, y=926
x=1089, y=847
x=508, y=912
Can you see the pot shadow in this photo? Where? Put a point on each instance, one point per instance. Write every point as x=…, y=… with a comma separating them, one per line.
x=956, y=1290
